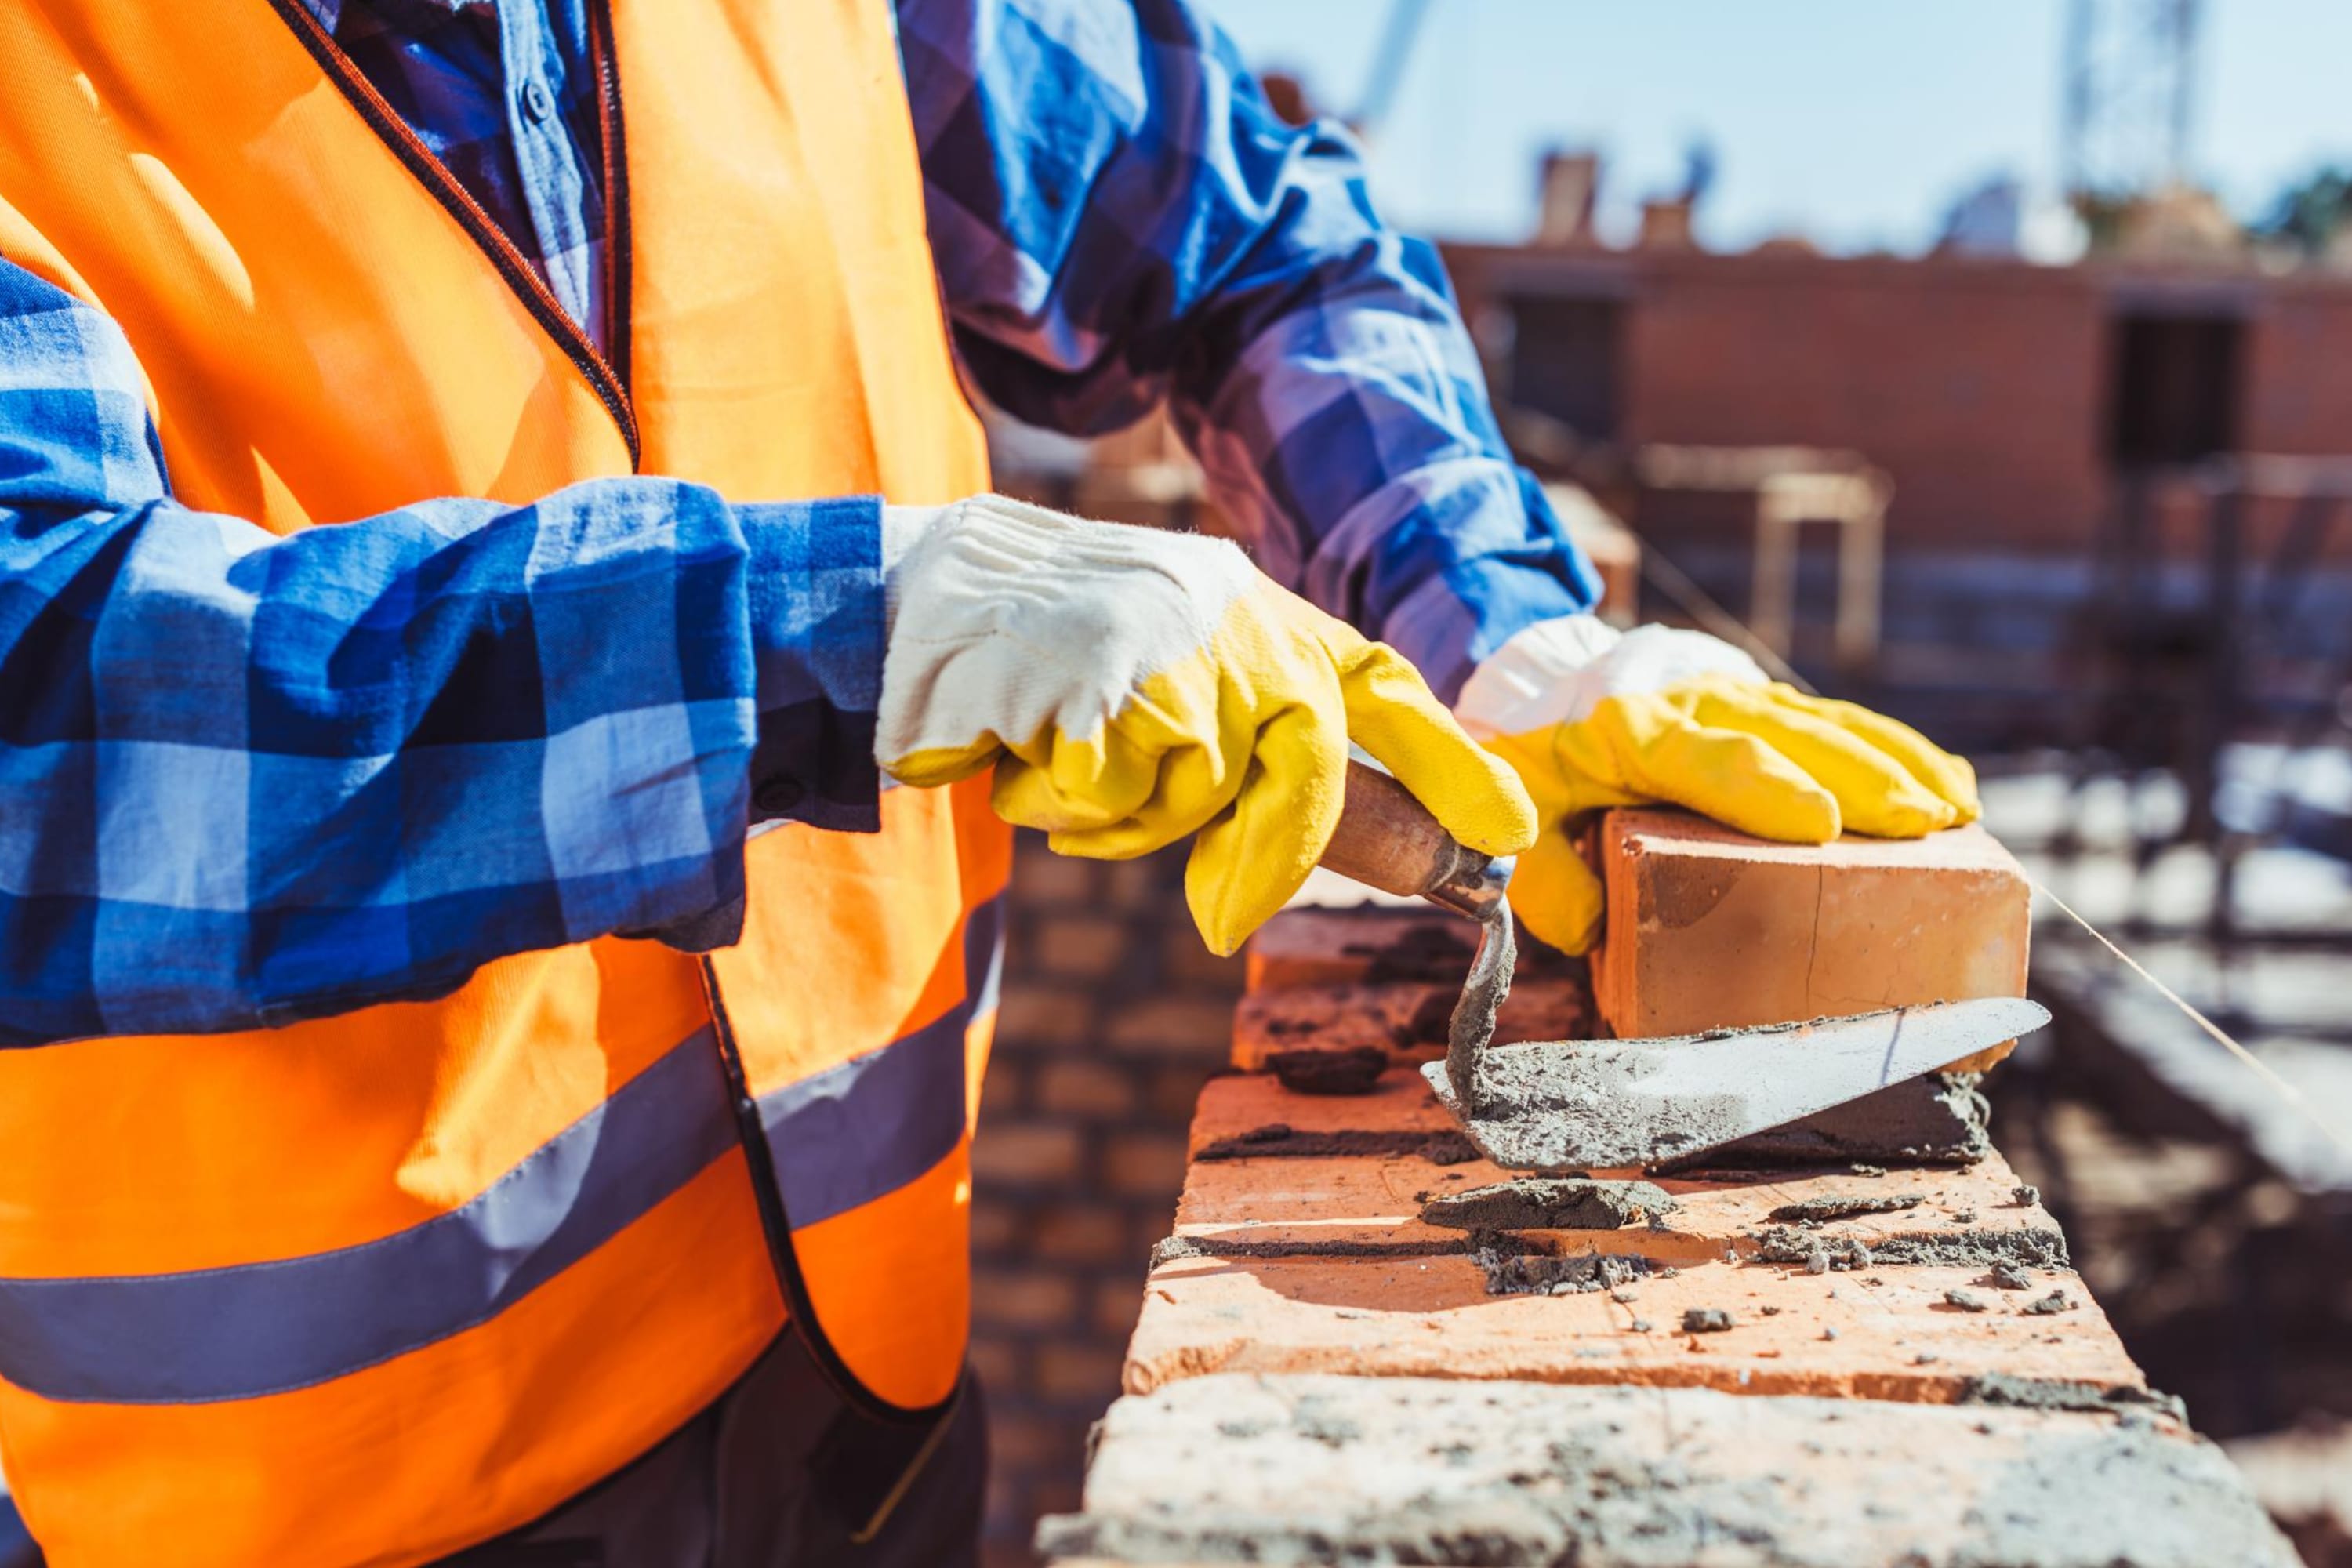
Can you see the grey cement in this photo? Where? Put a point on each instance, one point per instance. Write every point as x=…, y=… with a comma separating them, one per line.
x=2060, y=1394
x=1470, y=1027
x=1320, y=1472
x=1512, y=1270
x=2032, y=1245
x=1169, y=1250
x=1817, y=1211
x=1549, y=1203
x=1936, y=1120
x=1279, y=1141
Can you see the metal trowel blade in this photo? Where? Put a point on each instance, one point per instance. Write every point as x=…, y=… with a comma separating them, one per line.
x=1587, y=1105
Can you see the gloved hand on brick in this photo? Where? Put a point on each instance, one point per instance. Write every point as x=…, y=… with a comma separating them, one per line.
x=1131, y=685
x=1590, y=717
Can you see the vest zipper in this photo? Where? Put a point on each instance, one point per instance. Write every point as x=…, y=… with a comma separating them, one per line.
x=767, y=1196
x=615, y=148
x=607, y=382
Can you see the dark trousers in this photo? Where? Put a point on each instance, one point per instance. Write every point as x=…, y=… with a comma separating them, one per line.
x=779, y=1472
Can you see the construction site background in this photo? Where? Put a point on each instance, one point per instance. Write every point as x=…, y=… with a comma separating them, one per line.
x=2092, y=523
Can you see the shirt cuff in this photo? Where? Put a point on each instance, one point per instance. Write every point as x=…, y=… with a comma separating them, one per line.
x=817, y=633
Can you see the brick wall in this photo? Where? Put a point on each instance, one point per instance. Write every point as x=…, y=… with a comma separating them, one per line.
x=1113, y=1017
x=1981, y=388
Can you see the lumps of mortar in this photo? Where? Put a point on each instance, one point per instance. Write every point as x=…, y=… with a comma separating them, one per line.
x=2009, y=1276
x=1356, y=1070
x=2044, y=1306
x=2064, y=1393
x=1705, y=1321
x=1512, y=1270
x=2029, y=1245
x=1967, y=1301
x=1549, y=1203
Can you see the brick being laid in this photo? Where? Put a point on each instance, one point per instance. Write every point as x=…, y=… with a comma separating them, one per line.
x=1708, y=929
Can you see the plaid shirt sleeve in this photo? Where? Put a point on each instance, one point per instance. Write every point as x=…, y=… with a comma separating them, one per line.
x=1118, y=217
x=246, y=780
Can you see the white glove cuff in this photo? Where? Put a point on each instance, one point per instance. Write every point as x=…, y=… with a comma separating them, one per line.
x=903, y=528
x=1558, y=671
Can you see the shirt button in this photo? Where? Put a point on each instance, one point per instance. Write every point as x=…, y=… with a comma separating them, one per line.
x=777, y=795
x=537, y=103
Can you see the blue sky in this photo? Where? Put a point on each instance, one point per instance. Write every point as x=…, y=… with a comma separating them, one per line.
x=1853, y=122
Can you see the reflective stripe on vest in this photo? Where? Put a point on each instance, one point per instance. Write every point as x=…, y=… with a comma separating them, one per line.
x=841, y=1137
x=366, y=1291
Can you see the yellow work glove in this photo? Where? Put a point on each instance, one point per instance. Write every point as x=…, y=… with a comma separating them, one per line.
x=1591, y=718
x=1131, y=685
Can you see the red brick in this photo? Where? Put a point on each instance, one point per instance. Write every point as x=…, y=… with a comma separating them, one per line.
x=1709, y=929
x=1021, y=1298
x=1078, y=1085
x=1050, y=1014
x=1116, y=1302
x=1318, y=946
x=995, y=1225
x=1173, y=1025
x=1081, y=946
x=1145, y=1164
x=1078, y=1372
x=1006, y=1092
x=1372, y=1201
x=1431, y=1317
x=1173, y=1091
x=1071, y=1234
x=999, y=1363
x=1027, y=1152
x=1022, y=1442
x=1406, y=1018
x=1145, y=885
x=1041, y=877
x=1186, y=960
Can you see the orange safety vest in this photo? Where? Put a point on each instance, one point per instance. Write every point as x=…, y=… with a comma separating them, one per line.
x=372, y=1288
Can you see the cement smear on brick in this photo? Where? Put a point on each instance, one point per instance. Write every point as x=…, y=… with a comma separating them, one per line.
x=1845, y=1206
x=1169, y=1250
x=1512, y=1270
x=2060, y=1394
x=2035, y=1247
x=1320, y=1472
x=1278, y=1140
x=1356, y=1070
x=1549, y=1203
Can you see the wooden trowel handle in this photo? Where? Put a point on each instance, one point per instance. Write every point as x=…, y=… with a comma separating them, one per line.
x=1387, y=839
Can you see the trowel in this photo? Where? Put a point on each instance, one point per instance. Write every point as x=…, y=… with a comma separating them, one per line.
x=1596, y=1106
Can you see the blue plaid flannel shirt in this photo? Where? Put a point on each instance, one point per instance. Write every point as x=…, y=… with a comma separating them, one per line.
x=246, y=780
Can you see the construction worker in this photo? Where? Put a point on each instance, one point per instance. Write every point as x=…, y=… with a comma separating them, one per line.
x=490, y=511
